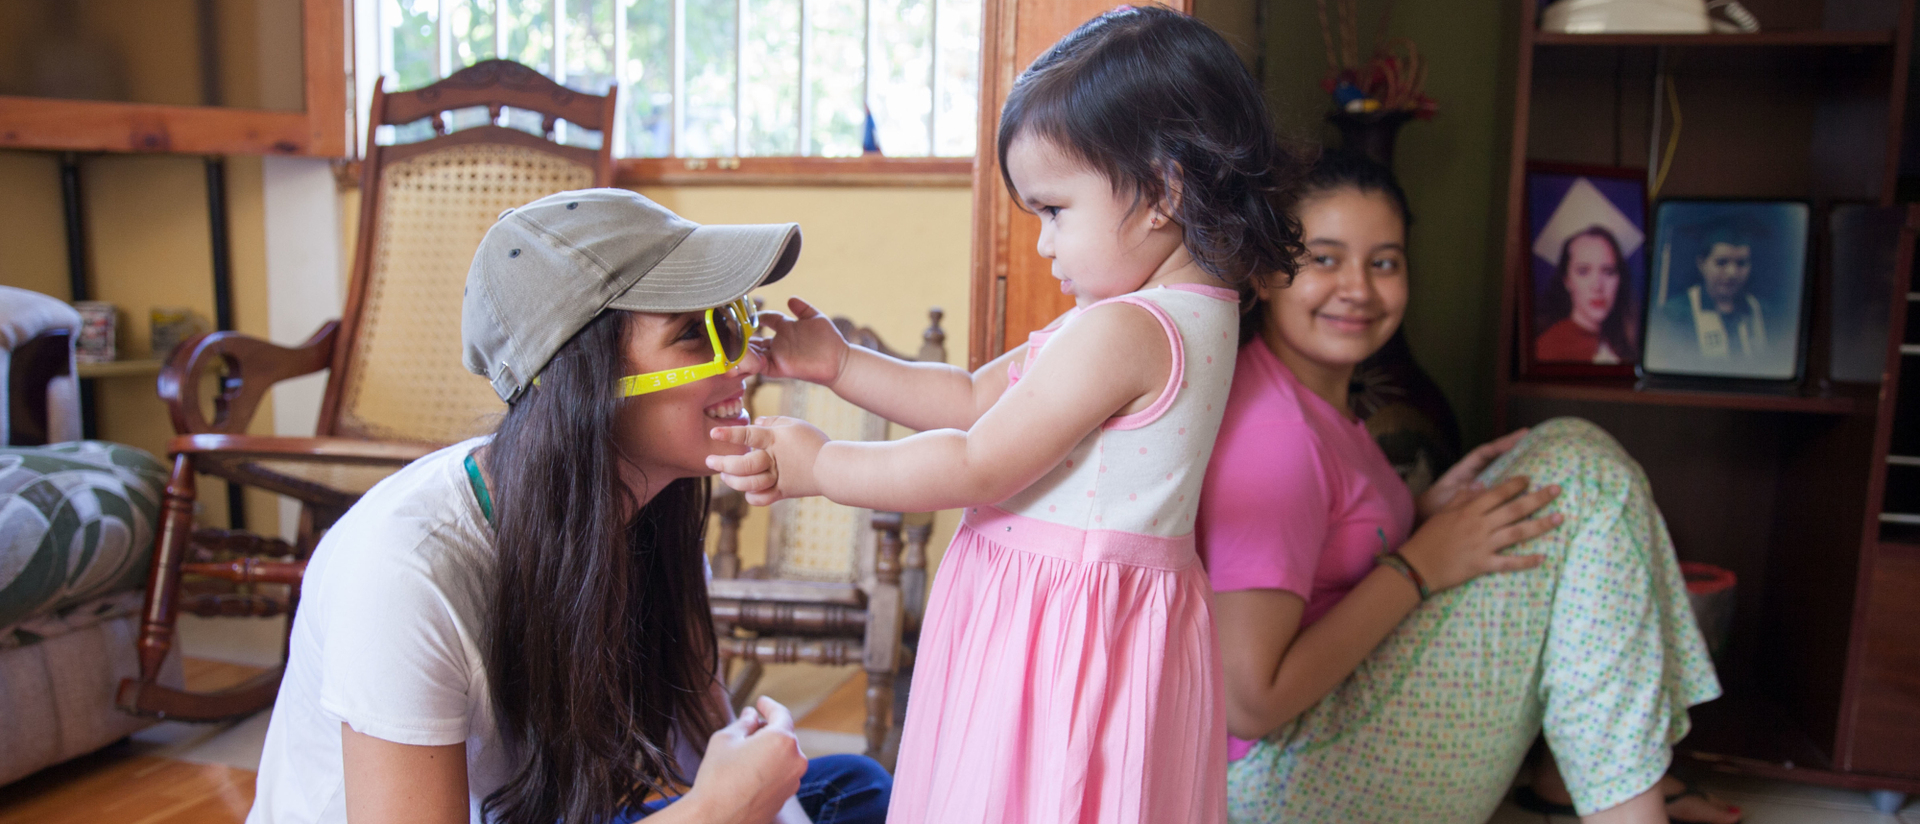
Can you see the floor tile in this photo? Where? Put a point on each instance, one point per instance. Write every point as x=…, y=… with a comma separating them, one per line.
x=816, y=743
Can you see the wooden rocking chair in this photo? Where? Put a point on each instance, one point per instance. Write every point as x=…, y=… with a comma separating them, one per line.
x=396, y=390
x=837, y=588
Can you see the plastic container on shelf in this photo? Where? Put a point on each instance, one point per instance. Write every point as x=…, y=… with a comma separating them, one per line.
x=1710, y=591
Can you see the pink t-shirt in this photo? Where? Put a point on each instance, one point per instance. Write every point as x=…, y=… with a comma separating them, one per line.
x=1297, y=497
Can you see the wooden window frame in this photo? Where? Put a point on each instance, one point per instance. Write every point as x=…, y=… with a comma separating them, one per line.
x=954, y=172
x=322, y=130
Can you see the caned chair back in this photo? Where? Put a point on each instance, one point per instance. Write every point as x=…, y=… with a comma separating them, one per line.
x=397, y=371
x=814, y=539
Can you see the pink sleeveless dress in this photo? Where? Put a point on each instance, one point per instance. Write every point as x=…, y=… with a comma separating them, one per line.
x=1067, y=670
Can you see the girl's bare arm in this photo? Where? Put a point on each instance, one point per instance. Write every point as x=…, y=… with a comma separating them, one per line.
x=1275, y=671
x=922, y=396
x=1111, y=359
x=916, y=395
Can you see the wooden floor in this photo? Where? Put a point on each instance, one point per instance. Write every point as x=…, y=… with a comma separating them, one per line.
x=119, y=786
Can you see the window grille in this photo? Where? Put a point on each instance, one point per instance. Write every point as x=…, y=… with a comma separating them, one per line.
x=710, y=78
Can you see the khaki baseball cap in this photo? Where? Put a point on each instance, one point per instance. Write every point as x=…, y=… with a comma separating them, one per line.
x=545, y=269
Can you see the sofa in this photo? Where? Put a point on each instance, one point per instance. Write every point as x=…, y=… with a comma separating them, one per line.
x=76, y=529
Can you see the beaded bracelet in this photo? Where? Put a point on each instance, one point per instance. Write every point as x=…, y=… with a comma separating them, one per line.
x=1398, y=563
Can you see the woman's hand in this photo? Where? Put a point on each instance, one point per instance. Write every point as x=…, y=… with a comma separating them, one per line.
x=1460, y=478
x=779, y=463
x=752, y=767
x=1463, y=541
x=806, y=346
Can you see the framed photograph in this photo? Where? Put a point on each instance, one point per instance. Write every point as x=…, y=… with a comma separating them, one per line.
x=1863, y=251
x=1582, y=307
x=1729, y=289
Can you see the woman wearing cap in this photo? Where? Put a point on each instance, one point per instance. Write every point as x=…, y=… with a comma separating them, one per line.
x=515, y=628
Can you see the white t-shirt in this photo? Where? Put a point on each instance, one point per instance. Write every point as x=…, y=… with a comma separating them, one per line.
x=392, y=613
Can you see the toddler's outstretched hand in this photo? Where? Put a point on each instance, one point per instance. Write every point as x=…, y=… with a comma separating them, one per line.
x=805, y=346
x=778, y=463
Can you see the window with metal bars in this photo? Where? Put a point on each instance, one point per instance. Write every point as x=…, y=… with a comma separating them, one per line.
x=711, y=78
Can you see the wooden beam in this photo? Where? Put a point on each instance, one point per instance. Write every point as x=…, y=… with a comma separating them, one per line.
x=99, y=126
x=327, y=58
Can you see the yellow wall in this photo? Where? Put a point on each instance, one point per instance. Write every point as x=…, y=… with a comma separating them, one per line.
x=149, y=245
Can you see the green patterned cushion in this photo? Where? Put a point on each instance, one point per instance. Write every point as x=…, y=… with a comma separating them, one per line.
x=76, y=522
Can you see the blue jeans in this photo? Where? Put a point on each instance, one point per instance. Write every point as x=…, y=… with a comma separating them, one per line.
x=837, y=789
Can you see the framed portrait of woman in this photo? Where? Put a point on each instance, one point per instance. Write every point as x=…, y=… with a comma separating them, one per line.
x=1581, y=309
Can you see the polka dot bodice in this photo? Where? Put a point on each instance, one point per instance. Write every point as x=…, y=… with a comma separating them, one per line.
x=1141, y=473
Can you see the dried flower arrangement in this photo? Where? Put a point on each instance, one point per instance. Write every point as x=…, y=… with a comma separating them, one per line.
x=1391, y=80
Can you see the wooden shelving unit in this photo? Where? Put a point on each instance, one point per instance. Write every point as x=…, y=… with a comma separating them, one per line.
x=1631, y=392
x=142, y=367
x=1814, y=37
x=1787, y=488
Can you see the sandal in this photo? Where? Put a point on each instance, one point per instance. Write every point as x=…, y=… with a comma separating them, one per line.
x=1689, y=788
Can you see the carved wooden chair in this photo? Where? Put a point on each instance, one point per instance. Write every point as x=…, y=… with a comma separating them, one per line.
x=841, y=585
x=396, y=389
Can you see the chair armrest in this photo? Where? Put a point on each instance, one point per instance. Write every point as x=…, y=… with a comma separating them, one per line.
x=328, y=450
x=793, y=592
x=252, y=366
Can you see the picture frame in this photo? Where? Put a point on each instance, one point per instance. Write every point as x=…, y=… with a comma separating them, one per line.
x=1729, y=290
x=1862, y=253
x=1587, y=227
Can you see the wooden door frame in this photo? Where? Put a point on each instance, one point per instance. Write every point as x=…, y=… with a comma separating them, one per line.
x=1012, y=293
x=323, y=129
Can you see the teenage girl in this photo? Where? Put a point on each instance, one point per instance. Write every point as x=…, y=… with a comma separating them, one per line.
x=1067, y=669
x=1392, y=658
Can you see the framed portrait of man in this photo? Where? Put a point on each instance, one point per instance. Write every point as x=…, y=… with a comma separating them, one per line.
x=1729, y=289
x=1581, y=309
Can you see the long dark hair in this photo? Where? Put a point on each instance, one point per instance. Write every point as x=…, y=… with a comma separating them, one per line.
x=1332, y=172
x=1559, y=302
x=600, y=651
x=1141, y=94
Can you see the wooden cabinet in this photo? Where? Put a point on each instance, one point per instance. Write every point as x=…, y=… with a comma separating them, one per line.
x=322, y=128
x=1785, y=487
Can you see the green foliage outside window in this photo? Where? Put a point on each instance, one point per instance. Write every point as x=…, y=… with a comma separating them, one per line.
x=764, y=119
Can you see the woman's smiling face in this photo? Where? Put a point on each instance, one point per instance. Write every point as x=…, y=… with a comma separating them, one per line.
x=1351, y=292
x=666, y=433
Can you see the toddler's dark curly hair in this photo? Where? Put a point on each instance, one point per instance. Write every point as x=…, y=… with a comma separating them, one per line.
x=1150, y=97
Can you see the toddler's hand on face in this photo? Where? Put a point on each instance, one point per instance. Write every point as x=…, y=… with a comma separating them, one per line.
x=778, y=463
x=806, y=346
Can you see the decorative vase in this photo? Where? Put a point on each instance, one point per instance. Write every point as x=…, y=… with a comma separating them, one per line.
x=1370, y=133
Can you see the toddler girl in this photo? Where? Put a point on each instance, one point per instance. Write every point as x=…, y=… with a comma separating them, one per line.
x=1067, y=670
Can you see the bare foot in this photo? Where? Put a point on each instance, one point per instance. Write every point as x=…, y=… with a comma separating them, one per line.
x=1700, y=806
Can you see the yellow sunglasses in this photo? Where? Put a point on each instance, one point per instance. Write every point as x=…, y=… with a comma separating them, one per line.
x=728, y=328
